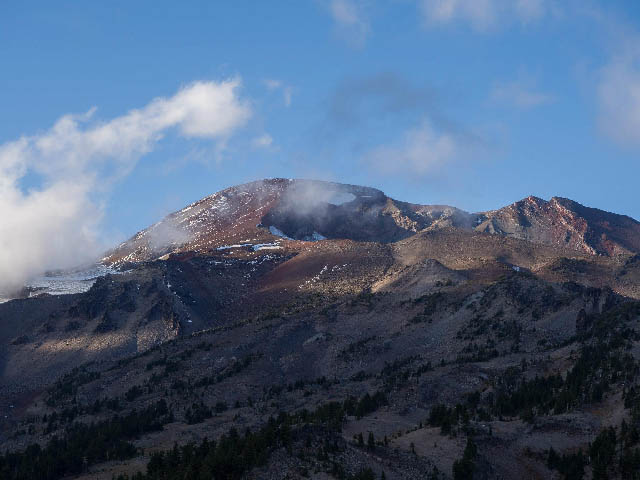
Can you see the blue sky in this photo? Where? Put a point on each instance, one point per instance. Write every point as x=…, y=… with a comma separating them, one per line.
x=473, y=103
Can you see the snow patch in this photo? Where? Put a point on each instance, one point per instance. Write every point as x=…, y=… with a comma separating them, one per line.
x=66, y=282
x=227, y=247
x=265, y=246
x=278, y=233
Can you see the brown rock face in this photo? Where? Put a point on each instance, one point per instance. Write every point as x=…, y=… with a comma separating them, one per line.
x=566, y=223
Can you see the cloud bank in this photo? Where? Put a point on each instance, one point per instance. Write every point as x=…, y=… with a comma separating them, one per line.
x=75, y=163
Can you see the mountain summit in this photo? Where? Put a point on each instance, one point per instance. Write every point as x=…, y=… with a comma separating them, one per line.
x=563, y=222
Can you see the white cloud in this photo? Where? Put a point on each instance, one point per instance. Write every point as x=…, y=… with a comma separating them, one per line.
x=519, y=93
x=619, y=99
x=421, y=151
x=351, y=21
x=56, y=225
x=483, y=14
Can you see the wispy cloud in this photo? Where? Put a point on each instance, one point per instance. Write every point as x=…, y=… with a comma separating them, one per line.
x=619, y=99
x=484, y=15
x=396, y=127
x=420, y=151
x=263, y=141
x=365, y=99
x=521, y=93
x=618, y=81
x=352, y=23
x=287, y=94
x=273, y=84
x=56, y=225
x=278, y=85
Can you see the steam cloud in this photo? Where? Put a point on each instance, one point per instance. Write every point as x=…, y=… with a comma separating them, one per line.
x=77, y=161
x=308, y=196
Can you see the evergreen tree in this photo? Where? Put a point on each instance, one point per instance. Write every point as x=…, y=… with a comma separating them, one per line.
x=371, y=442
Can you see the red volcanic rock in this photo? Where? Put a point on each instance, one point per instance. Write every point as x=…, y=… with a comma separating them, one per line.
x=565, y=223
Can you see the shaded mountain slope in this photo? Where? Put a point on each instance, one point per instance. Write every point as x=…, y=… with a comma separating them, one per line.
x=419, y=354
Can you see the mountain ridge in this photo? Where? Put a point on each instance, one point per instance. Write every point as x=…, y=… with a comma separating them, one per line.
x=270, y=210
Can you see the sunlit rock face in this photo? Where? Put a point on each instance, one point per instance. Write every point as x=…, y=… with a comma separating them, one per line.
x=564, y=223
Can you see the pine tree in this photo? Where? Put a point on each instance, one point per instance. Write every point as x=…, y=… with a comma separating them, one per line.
x=371, y=441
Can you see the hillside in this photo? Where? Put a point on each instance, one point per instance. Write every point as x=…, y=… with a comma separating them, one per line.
x=302, y=329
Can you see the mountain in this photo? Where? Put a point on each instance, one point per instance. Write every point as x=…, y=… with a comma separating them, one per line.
x=304, y=329
x=272, y=210
x=280, y=209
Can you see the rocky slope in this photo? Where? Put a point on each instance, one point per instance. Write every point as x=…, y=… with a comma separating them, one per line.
x=563, y=222
x=350, y=333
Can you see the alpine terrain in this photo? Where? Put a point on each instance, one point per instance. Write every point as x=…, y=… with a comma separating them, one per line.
x=306, y=329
